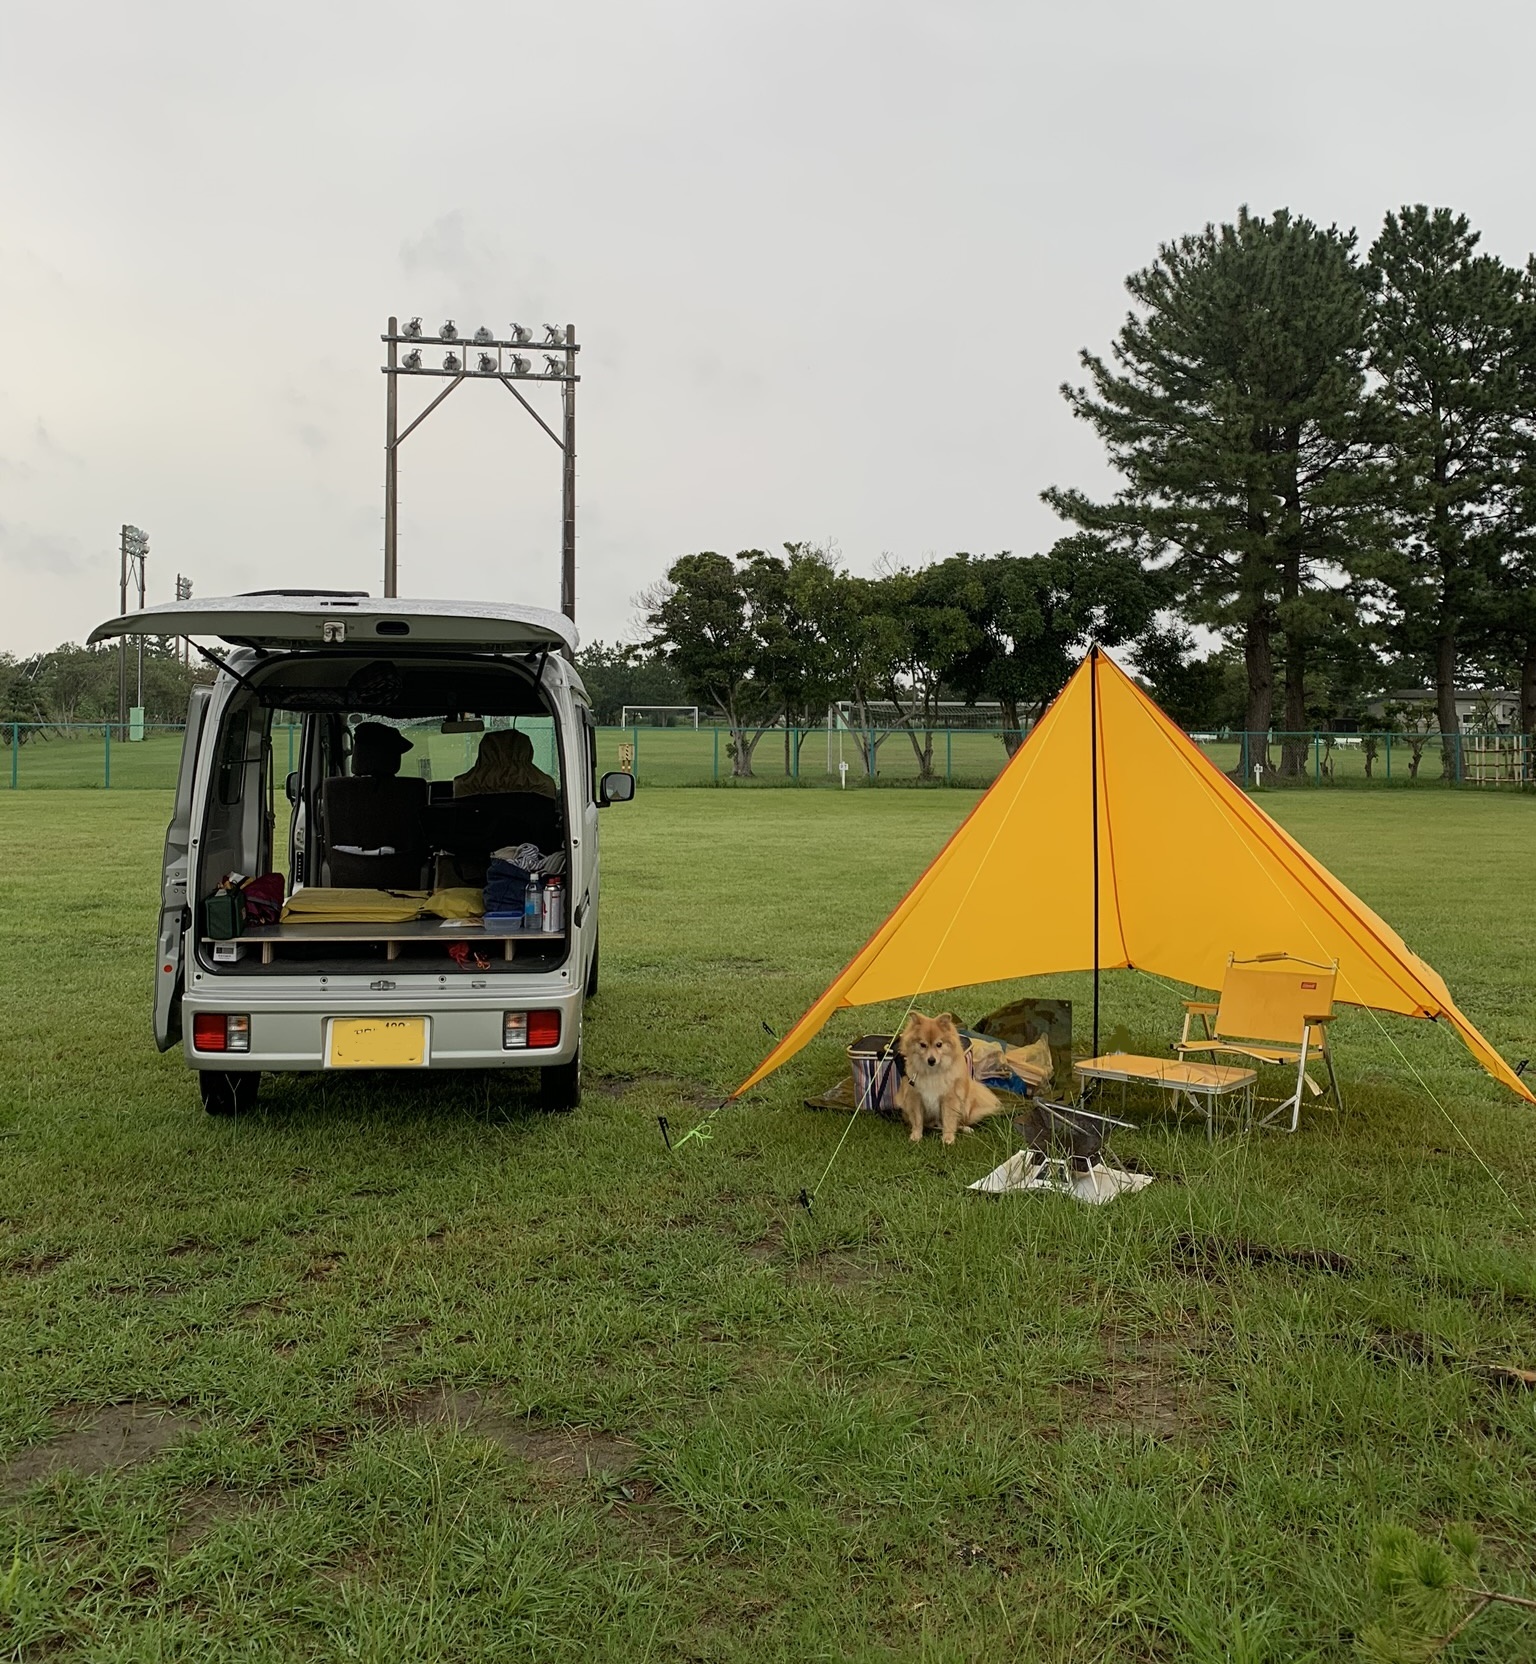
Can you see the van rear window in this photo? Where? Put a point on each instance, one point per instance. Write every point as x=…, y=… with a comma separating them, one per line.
x=231, y=783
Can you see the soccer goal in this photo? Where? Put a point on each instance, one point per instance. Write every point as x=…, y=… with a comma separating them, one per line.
x=659, y=716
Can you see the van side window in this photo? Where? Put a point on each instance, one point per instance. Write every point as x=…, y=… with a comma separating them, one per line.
x=232, y=757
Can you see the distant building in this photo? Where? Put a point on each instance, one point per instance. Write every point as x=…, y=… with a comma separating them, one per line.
x=1495, y=710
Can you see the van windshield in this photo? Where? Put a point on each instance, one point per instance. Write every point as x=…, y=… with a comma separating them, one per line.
x=481, y=761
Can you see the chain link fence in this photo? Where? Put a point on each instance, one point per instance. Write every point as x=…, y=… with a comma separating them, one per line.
x=97, y=756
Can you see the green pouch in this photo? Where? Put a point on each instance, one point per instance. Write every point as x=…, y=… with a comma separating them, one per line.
x=225, y=911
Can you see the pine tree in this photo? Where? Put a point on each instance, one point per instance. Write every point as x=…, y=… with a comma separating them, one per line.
x=1234, y=407
x=1446, y=339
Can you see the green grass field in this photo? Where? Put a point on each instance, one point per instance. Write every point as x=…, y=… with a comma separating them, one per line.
x=408, y=1371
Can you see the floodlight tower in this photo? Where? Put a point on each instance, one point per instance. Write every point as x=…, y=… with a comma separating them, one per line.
x=496, y=358
x=184, y=593
x=133, y=553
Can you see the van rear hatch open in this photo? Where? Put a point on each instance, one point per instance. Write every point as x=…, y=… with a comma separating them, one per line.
x=283, y=620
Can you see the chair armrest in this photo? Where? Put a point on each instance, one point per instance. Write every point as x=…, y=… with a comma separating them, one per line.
x=1206, y=1008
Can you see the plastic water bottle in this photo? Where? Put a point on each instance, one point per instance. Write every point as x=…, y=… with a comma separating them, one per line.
x=533, y=904
x=554, y=905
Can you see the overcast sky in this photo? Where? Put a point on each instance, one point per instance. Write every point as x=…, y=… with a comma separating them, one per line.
x=829, y=262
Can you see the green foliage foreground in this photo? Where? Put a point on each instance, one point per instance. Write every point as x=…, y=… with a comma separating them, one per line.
x=401, y=1370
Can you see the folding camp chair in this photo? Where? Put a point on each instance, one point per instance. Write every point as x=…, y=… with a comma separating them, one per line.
x=1275, y=1009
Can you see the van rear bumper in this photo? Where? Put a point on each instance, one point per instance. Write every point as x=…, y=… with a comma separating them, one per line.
x=292, y=1036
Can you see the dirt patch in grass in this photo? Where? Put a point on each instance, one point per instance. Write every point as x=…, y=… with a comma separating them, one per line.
x=201, y=1511
x=561, y=1452
x=93, y=1441
x=683, y=1091
x=1212, y=1257
x=835, y=1270
x=1140, y=1388
x=35, y=1265
x=769, y=1246
x=405, y=1338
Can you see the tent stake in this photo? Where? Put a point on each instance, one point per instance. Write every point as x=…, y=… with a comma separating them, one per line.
x=666, y=1137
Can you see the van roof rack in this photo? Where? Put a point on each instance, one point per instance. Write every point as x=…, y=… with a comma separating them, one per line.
x=337, y=594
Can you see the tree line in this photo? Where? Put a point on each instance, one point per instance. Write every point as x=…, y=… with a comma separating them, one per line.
x=1324, y=465
x=75, y=684
x=1325, y=494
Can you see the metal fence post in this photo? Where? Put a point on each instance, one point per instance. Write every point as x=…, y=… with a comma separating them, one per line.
x=1389, y=754
x=949, y=754
x=871, y=753
x=716, y=733
x=15, y=752
x=634, y=734
x=1317, y=758
x=794, y=740
x=106, y=760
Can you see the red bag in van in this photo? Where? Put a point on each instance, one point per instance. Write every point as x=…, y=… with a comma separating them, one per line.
x=263, y=898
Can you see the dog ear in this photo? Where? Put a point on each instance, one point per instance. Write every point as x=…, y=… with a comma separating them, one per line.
x=948, y=1017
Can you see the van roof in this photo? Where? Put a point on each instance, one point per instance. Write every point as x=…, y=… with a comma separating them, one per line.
x=276, y=619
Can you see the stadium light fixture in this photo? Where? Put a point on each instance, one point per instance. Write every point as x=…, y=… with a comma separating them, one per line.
x=504, y=364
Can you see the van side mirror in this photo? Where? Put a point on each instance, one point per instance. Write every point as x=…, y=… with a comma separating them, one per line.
x=617, y=787
x=291, y=788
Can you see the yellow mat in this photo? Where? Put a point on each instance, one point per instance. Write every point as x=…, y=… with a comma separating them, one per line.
x=315, y=905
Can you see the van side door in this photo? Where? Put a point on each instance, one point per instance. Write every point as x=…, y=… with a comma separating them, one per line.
x=174, y=914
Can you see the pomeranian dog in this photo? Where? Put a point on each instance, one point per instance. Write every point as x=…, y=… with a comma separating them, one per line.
x=936, y=1087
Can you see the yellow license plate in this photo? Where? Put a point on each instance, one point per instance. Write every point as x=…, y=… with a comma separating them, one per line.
x=378, y=1042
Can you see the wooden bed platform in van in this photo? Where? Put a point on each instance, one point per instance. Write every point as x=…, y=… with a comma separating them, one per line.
x=271, y=937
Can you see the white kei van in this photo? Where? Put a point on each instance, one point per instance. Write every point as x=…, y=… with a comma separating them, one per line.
x=376, y=753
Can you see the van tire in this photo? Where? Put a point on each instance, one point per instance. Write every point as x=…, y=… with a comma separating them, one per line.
x=232, y=1093
x=560, y=1086
x=592, y=968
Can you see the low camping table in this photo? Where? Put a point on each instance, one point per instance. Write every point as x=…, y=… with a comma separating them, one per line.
x=1186, y=1081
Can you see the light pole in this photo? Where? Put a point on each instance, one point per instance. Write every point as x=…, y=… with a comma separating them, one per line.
x=184, y=593
x=484, y=357
x=133, y=552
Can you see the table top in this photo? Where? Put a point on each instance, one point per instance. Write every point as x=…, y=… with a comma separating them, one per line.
x=1213, y=1078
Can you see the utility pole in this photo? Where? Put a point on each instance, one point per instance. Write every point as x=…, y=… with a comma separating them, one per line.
x=133, y=552
x=495, y=359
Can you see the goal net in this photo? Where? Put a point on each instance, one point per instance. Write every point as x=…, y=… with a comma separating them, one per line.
x=659, y=716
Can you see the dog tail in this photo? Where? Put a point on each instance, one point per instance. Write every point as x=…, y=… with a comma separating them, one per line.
x=981, y=1103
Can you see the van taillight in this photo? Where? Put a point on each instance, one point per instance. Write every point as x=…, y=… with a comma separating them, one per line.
x=219, y=1031
x=530, y=1030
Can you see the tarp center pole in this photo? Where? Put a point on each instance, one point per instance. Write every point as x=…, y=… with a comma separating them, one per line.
x=1093, y=754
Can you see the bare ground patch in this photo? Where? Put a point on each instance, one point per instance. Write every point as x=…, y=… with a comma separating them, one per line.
x=1140, y=1387
x=94, y=1441
x=1211, y=1258
x=34, y=1265
x=683, y=1091
x=200, y=1512
x=561, y=1452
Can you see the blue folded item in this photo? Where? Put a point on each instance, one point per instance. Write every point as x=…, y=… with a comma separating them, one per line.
x=506, y=889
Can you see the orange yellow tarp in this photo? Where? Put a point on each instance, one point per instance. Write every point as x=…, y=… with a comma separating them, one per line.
x=1191, y=872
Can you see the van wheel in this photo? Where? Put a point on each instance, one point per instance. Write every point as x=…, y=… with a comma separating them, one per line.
x=228, y=1094
x=592, y=968
x=560, y=1085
